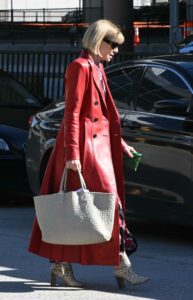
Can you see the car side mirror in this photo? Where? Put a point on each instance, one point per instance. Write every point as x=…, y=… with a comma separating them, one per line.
x=173, y=107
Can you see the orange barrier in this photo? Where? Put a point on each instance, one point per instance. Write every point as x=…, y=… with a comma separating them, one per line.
x=188, y=28
x=136, y=38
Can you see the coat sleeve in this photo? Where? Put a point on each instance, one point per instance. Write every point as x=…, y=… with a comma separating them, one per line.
x=75, y=84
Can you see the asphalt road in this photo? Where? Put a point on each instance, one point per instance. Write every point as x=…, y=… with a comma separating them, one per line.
x=165, y=254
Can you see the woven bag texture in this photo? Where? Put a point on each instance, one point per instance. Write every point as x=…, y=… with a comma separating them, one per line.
x=76, y=217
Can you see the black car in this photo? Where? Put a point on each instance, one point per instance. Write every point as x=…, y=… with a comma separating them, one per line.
x=155, y=101
x=12, y=165
x=17, y=104
x=74, y=16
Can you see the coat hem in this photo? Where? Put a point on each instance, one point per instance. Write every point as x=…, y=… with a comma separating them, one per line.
x=74, y=261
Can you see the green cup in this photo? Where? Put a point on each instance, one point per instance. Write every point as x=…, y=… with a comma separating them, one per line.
x=133, y=162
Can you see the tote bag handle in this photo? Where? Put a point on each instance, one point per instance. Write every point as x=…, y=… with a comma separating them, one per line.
x=64, y=180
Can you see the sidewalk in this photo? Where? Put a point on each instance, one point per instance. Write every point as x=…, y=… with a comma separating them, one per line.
x=26, y=276
x=166, y=259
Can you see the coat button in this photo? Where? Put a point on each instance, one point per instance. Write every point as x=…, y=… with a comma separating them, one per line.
x=94, y=136
x=96, y=103
x=95, y=119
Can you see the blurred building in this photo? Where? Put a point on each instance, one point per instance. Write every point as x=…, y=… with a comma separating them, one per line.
x=28, y=4
x=148, y=2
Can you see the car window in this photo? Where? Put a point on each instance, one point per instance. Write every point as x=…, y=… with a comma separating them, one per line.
x=160, y=84
x=12, y=94
x=123, y=85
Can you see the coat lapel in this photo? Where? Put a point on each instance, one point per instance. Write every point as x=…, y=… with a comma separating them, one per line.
x=98, y=82
x=95, y=74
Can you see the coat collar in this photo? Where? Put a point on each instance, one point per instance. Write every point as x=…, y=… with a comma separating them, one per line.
x=95, y=70
x=106, y=98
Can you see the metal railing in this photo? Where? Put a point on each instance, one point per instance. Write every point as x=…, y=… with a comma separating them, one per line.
x=33, y=15
x=52, y=15
x=45, y=25
x=43, y=72
x=152, y=22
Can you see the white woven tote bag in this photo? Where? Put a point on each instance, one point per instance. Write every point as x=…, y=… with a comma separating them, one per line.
x=75, y=217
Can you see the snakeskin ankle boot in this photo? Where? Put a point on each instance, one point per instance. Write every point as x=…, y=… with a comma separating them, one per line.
x=65, y=272
x=124, y=273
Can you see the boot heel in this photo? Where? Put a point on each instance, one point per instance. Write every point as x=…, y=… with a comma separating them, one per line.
x=120, y=282
x=53, y=279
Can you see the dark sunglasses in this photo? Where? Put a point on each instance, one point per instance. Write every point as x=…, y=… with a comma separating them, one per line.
x=112, y=44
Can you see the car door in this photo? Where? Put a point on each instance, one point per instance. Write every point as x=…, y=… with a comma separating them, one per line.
x=17, y=104
x=162, y=130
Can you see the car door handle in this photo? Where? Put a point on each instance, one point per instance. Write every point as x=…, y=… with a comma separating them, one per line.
x=131, y=125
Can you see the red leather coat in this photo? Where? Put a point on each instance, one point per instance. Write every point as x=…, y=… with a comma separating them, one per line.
x=90, y=132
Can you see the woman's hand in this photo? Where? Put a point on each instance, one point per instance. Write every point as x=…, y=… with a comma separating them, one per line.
x=73, y=164
x=129, y=151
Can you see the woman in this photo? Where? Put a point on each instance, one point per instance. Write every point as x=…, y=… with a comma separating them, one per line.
x=89, y=139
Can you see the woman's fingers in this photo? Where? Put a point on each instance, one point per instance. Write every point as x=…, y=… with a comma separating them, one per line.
x=73, y=165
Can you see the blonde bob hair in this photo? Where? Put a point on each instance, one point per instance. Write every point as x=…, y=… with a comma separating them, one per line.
x=99, y=30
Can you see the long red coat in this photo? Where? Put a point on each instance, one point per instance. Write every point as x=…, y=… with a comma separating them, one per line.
x=90, y=132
